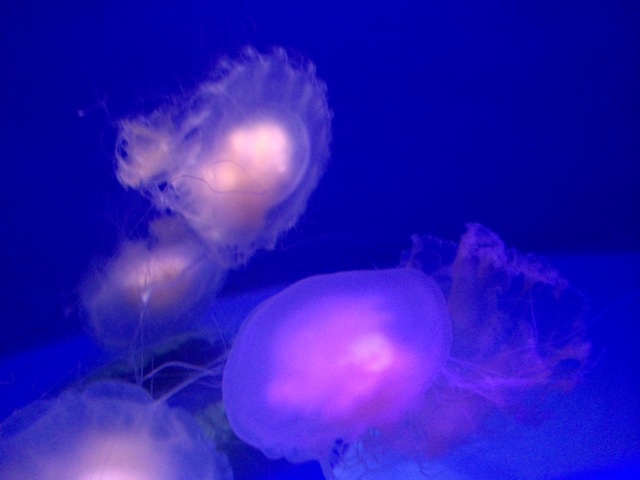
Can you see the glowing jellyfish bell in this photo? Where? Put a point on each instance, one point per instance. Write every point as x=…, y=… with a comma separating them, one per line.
x=152, y=288
x=334, y=356
x=108, y=431
x=238, y=158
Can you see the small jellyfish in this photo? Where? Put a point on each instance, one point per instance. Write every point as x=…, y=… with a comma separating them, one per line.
x=109, y=431
x=334, y=356
x=238, y=158
x=152, y=288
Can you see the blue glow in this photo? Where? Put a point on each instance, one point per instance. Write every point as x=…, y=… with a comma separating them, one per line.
x=522, y=118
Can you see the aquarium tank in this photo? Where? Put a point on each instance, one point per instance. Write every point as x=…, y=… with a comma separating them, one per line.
x=262, y=240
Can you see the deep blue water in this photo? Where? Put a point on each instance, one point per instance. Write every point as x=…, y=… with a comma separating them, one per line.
x=522, y=117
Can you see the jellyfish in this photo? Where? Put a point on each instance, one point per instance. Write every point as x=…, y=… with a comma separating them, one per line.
x=519, y=334
x=404, y=363
x=333, y=356
x=238, y=158
x=110, y=430
x=152, y=288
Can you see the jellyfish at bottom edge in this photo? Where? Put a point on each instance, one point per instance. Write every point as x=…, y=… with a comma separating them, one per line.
x=109, y=431
x=404, y=363
x=333, y=356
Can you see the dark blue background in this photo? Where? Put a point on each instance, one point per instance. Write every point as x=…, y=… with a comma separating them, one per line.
x=523, y=116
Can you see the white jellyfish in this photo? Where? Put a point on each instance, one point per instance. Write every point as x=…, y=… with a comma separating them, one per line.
x=238, y=158
x=108, y=431
x=374, y=365
x=152, y=288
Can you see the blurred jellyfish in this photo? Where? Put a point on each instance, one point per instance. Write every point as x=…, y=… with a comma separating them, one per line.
x=238, y=158
x=333, y=356
x=400, y=364
x=519, y=333
x=152, y=288
x=110, y=431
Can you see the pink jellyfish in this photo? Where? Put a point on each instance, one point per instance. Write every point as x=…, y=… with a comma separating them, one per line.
x=519, y=333
x=334, y=356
